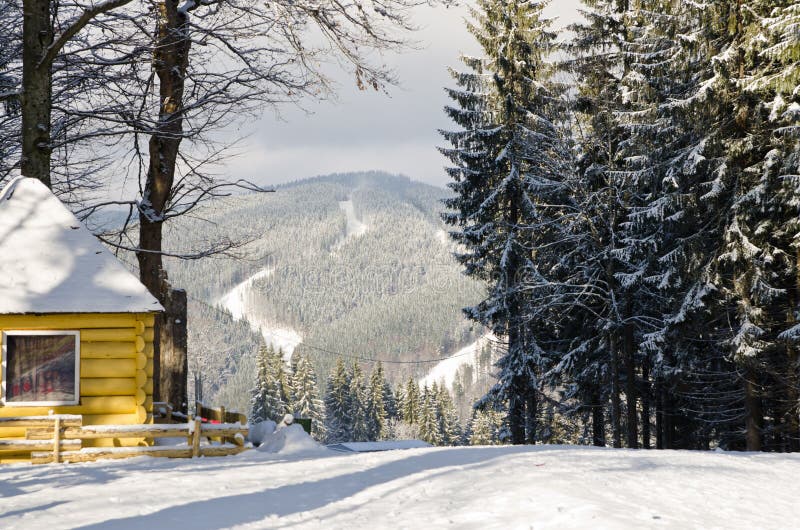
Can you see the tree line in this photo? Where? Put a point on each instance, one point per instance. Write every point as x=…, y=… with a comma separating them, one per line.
x=629, y=195
x=360, y=407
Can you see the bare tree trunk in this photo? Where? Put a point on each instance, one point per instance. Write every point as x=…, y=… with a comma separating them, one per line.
x=659, y=392
x=630, y=382
x=598, y=421
x=37, y=90
x=792, y=412
x=615, y=391
x=173, y=383
x=531, y=409
x=516, y=414
x=645, y=395
x=170, y=60
x=752, y=406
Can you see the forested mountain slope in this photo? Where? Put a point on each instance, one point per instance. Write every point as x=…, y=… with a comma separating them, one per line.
x=356, y=264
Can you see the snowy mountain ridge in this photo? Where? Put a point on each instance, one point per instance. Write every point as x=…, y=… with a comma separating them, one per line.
x=357, y=265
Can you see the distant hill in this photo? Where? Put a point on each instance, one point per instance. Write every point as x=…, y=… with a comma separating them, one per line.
x=357, y=264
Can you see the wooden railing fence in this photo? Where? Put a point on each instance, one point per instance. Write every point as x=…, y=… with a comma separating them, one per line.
x=58, y=438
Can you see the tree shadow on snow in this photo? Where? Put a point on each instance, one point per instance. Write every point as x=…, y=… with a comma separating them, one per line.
x=306, y=496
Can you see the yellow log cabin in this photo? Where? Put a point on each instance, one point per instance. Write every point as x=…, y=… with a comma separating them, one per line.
x=76, y=325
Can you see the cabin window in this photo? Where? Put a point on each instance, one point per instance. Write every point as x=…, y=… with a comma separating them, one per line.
x=40, y=368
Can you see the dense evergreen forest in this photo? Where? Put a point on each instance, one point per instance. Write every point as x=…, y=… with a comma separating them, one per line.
x=393, y=292
x=628, y=192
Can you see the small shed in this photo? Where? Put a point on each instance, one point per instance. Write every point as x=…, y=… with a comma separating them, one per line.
x=76, y=325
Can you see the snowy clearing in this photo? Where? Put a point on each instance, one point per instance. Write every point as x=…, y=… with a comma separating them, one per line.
x=462, y=487
x=235, y=302
x=445, y=370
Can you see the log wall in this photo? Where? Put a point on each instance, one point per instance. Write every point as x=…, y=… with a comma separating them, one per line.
x=116, y=373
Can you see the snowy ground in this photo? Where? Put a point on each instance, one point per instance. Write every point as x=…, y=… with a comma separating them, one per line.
x=464, y=488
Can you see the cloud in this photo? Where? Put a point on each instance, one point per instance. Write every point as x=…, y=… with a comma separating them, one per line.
x=368, y=130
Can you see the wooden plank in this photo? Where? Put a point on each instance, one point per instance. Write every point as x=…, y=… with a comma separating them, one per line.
x=70, y=321
x=102, y=453
x=37, y=445
x=148, y=367
x=109, y=335
x=148, y=334
x=116, y=419
x=222, y=430
x=111, y=386
x=40, y=421
x=108, y=350
x=108, y=368
x=95, y=406
x=221, y=450
x=235, y=417
x=129, y=431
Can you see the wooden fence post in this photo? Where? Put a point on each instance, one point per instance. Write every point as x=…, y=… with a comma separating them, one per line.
x=196, y=438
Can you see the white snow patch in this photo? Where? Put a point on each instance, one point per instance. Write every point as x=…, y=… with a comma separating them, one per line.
x=291, y=440
x=446, y=369
x=235, y=302
x=544, y=487
x=258, y=431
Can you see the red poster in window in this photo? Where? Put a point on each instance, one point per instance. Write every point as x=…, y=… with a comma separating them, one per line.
x=40, y=368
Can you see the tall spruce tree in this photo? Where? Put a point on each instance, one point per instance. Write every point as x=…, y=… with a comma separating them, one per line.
x=338, y=414
x=357, y=405
x=375, y=407
x=506, y=158
x=268, y=400
x=305, y=396
x=410, y=409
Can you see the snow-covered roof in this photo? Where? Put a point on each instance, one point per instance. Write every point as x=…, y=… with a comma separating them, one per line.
x=371, y=447
x=50, y=262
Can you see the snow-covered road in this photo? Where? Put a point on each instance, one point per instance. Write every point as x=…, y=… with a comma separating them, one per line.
x=464, y=488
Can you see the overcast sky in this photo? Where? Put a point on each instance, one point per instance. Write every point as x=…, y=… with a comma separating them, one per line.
x=368, y=130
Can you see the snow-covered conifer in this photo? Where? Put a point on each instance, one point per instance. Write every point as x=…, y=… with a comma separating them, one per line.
x=338, y=416
x=306, y=402
x=508, y=162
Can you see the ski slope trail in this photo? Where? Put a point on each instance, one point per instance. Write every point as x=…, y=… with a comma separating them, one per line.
x=354, y=227
x=501, y=487
x=236, y=303
x=445, y=370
